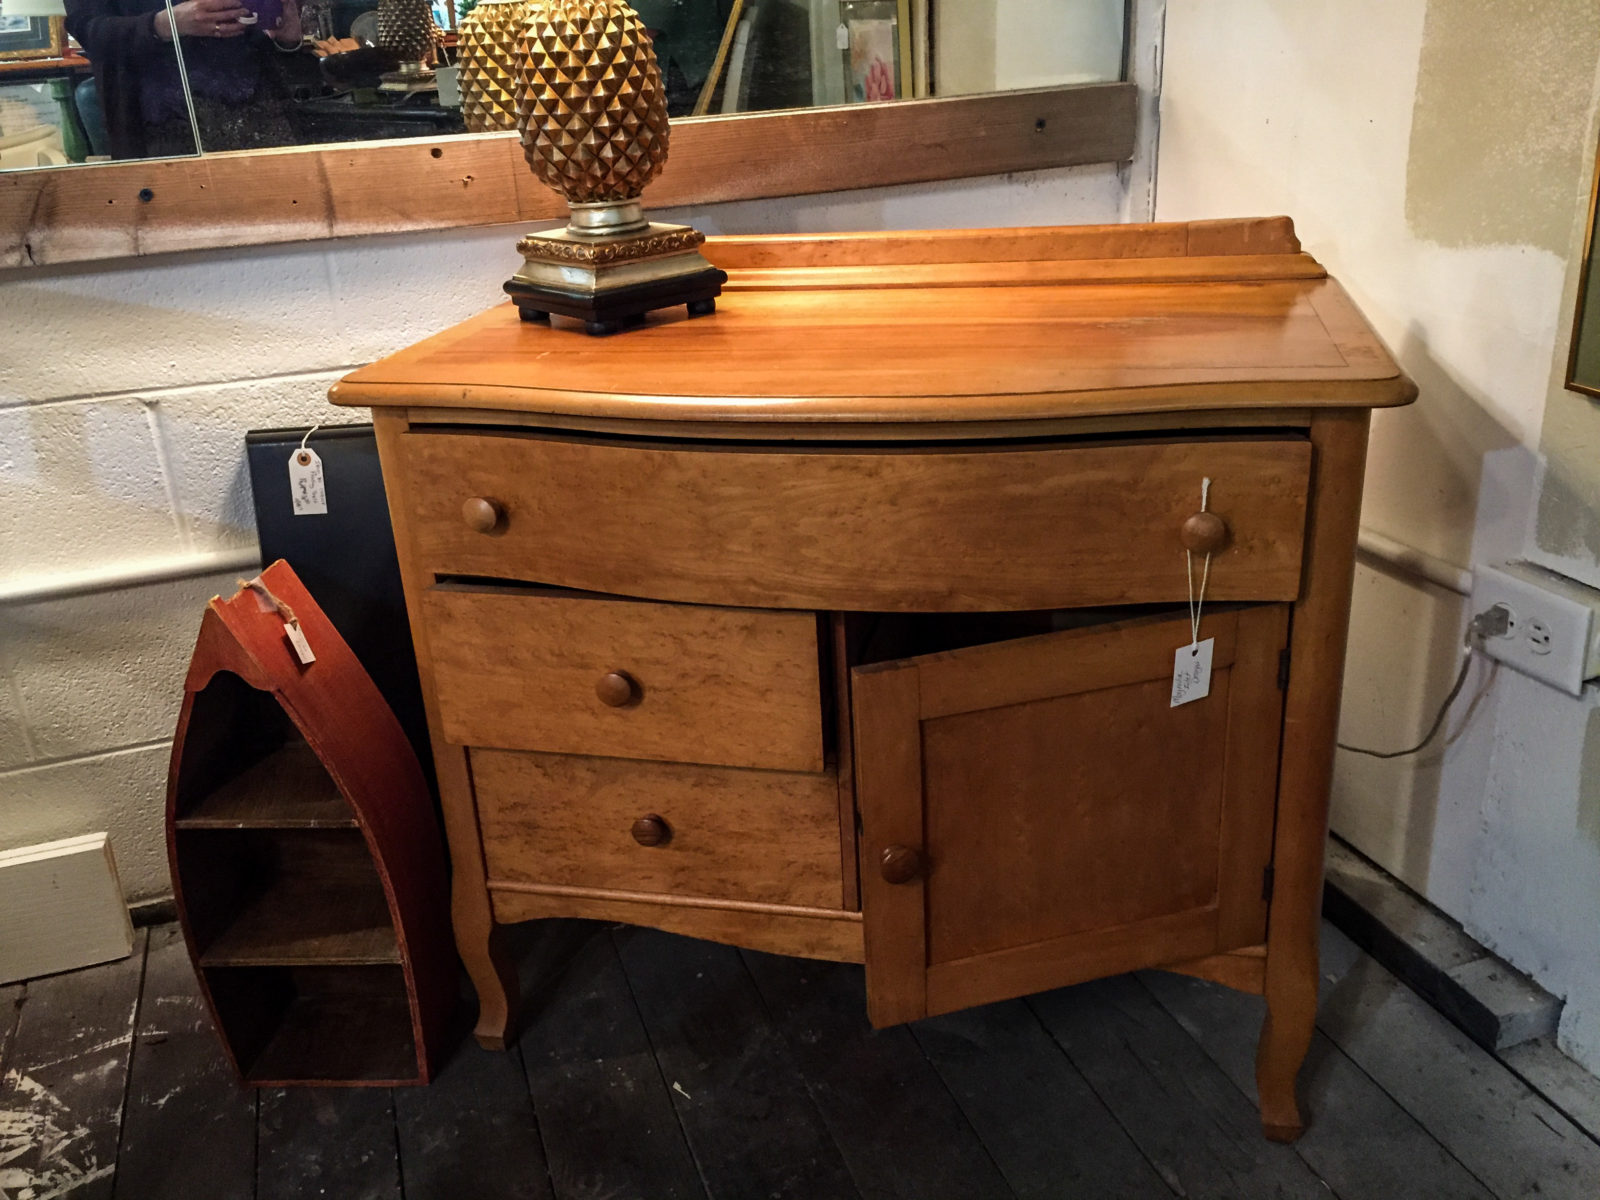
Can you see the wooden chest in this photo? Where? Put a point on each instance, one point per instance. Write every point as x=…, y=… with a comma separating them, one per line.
x=844, y=622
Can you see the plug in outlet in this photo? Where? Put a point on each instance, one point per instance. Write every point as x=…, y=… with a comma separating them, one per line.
x=1552, y=627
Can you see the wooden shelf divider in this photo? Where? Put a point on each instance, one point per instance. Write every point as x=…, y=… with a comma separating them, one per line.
x=287, y=789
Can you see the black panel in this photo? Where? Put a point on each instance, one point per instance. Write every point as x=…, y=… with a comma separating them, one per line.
x=346, y=558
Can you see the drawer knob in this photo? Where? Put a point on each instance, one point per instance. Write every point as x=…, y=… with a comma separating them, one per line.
x=617, y=689
x=651, y=830
x=900, y=864
x=485, y=516
x=1204, y=533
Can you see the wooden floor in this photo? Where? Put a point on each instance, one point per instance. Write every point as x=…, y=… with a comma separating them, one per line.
x=659, y=1067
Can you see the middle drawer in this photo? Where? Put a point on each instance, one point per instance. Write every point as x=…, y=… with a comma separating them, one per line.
x=528, y=669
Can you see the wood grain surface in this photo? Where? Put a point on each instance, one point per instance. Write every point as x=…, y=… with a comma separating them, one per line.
x=1074, y=823
x=478, y=941
x=293, y=194
x=1310, y=726
x=851, y=529
x=769, y=836
x=961, y=347
x=518, y=670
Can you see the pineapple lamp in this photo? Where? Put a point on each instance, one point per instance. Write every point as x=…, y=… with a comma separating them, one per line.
x=593, y=116
x=406, y=28
x=486, y=42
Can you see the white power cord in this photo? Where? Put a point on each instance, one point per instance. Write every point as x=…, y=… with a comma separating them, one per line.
x=1492, y=622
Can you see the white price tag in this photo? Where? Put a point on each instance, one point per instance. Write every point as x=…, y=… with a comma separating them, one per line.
x=1191, y=672
x=302, y=648
x=842, y=36
x=305, y=484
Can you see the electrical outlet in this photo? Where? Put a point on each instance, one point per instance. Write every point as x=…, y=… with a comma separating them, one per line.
x=1552, y=628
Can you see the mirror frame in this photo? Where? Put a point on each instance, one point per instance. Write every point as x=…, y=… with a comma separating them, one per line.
x=1585, y=322
x=117, y=210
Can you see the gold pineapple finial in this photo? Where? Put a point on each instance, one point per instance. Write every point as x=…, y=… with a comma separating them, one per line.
x=593, y=117
x=487, y=42
x=593, y=112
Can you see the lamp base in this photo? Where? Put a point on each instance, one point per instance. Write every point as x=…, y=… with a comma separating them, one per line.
x=411, y=77
x=609, y=279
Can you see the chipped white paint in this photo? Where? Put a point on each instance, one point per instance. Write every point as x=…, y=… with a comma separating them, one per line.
x=41, y=1151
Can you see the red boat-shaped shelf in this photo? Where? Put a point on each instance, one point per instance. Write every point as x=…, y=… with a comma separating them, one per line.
x=306, y=858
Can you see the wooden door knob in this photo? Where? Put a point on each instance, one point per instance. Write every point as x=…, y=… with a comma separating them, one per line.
x=651, y=830
x=485, y=516
x=1204, y=533
x=900, y=864
x=617, y=689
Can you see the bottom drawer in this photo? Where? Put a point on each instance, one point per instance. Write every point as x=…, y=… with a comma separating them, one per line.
x=719, y=832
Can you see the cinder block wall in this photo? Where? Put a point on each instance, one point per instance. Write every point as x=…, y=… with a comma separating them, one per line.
x=126, y=389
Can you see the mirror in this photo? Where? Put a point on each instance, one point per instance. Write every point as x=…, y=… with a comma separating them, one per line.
x=126, y=89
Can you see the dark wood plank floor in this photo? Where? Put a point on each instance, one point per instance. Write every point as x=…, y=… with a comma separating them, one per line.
x=659, y=1067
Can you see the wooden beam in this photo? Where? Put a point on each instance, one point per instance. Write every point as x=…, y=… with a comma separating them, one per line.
x=130, y=209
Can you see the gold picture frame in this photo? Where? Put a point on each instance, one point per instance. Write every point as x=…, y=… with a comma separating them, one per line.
x=45, y=38
x=1583, y=363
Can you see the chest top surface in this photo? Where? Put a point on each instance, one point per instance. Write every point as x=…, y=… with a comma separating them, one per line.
x=937, y=327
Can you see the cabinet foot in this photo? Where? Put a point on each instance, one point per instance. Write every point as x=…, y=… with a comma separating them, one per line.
x=494, y=978
x=1285, y=1038
x=1282, y=1133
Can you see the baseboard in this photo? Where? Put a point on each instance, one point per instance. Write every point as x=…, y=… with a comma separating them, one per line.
x=1489, y=1000
x=60, y=908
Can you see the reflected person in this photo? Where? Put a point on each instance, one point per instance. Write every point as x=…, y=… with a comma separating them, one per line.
x=239, y=97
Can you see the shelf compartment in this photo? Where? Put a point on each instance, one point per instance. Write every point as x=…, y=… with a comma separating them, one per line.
x=299, y=1025
x=285, y=898
x=288, y=788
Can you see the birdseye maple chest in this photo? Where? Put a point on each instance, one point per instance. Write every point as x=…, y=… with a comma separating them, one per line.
x=850, y=621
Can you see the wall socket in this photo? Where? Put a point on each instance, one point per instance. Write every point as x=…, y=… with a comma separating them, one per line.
x=1552, y=629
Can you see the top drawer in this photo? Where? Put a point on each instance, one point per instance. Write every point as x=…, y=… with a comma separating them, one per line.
x=860, y=528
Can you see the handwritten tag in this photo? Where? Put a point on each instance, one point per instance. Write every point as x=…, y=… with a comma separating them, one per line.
x=1191, y=672
x=306, y=492
x=297, y=639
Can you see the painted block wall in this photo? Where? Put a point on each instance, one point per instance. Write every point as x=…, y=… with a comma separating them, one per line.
x=125, y=392
x=1437, y=157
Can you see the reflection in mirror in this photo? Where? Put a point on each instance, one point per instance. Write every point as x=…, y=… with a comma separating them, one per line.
x=60, y=104
x=156, y=78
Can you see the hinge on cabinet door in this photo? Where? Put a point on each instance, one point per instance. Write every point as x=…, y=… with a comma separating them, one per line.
x=1267, y=876
x=1283, y=669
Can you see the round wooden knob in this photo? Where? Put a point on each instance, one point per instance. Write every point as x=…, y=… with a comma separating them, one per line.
x=900, y=864
x=482, y=515
x=1204, y=533
x=616, y=689
x=651, y=830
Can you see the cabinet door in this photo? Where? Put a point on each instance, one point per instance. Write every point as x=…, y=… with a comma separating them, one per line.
x=1035, y=813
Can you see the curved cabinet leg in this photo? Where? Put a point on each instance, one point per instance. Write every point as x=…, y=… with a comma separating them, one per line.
x=481, y=944
x=1310, y=723
x=478, y=938
x=1285, y=1038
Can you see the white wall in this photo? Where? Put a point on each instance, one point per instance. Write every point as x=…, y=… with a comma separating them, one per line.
x=1436, y=156
x=125, y=392
x=999, y=45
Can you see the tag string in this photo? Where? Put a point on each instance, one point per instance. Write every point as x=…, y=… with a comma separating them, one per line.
x=283, y=610
x=1197, y=604
x=318, y=426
